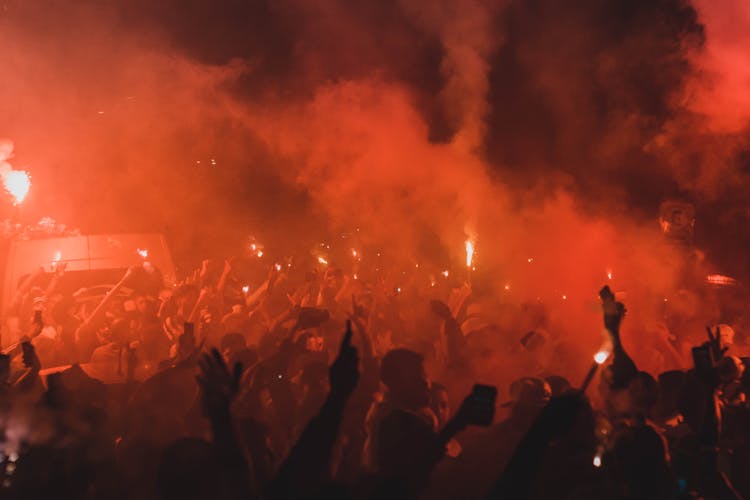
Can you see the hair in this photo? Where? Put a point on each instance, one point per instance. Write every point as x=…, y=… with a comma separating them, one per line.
x=233, y=341
x=396, y=362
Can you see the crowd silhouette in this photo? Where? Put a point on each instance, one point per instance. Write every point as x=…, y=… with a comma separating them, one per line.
x=324, y=387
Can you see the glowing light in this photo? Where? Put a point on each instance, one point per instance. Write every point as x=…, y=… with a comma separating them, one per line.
x=245, y=289
x=507, y=286
x=601, y=356
x=143, y=252
x=277, y=267
x=355, y=276
x=565, y=297
x=253, y=247
x=17, y=183
x=530, y=260
x=720, y=280
x=445, y=273
x=259, y=253
x=398, y=289
x=323, y=261
x=597, y=461
x=57, y=257
x=355, y=254
x=469, y=252
x=432, y=283
x=609, y=274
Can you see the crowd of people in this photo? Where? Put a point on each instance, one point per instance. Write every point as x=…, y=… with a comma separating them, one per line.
x=324, y=384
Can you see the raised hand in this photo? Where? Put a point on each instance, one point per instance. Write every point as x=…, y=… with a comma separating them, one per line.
x=30, y=358
x=441, y=309
x=218, y=385
x=227, y=267
x=344, y=372
x=358, y=311
x=613, y=311
x=714, y=344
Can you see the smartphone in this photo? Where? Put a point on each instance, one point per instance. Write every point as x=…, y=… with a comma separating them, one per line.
x=702, y=360
x=482, y=405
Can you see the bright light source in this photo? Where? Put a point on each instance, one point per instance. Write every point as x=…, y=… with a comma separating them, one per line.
x=323, y=261
x=17, y=183
x=469, y=252
x=143, y=252
x=597, y=461
x=601, y=356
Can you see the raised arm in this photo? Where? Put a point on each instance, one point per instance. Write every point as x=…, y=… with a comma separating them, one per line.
x=455, y=340
x=219, y=387
x=309, y=464
x=623, y=367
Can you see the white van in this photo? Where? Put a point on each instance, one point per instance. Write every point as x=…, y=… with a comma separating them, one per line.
x=91, y=261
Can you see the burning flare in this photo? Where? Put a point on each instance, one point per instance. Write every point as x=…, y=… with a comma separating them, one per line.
x=469, y=252
x=17, y=183
x=143, y=252
x=601, y=356
x=322, y=261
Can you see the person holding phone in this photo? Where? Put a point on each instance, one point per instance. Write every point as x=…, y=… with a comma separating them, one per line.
x=404, y=444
